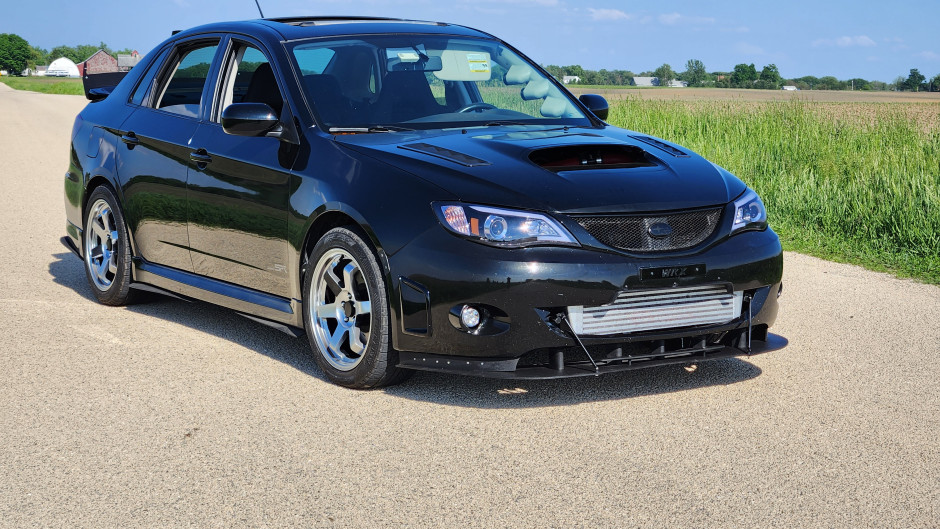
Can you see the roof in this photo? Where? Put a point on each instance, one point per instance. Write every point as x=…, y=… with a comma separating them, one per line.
x=296, y=28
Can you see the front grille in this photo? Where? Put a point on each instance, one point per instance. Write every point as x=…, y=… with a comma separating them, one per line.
x=632, y=232
x=669, y=308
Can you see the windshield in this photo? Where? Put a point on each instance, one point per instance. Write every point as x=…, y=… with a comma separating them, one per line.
x=426, y=81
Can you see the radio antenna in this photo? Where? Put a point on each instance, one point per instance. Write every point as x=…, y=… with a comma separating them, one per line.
x=259, y=8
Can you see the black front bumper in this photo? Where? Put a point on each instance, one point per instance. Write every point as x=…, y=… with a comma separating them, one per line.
x=526, y=291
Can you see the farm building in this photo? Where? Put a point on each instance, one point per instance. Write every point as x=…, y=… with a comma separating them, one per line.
x=127, y=61
x=646, y=81
x=675, y=83
x=100, y=62
x=571, y=79
x=790, y=88
x=62, y=67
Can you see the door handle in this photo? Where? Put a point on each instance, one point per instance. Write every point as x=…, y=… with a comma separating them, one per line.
x=130, y=139
x=201, y=157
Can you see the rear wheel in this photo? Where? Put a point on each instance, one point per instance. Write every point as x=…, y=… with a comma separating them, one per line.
x=346, y=313
x=106, y=251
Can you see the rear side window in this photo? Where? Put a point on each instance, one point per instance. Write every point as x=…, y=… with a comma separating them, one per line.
x=182, y=91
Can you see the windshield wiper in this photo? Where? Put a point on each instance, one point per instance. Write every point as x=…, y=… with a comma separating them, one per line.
x=366, y=130
x=503, y=122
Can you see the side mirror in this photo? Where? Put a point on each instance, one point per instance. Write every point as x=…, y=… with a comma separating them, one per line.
x=249, y=119
x=596, y=104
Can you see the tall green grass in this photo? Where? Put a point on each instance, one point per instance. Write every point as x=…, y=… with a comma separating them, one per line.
x=45, y=85
x=857, y=183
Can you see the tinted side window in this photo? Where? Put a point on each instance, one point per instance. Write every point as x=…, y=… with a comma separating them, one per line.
x=146, y=82
x=182, y=93
x=250, y=79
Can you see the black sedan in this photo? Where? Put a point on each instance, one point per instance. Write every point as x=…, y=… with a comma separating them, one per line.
x=413, y=195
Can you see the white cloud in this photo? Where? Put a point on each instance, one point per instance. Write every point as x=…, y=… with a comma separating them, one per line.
x=671, y=19
x=608, y=14
x=846, y=42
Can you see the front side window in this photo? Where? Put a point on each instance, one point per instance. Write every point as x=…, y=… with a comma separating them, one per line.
x=249, y=78
x=422, y=82
x=182, y=91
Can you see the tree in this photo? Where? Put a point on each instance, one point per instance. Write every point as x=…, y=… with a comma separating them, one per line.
x=694, y=72
x=934, y=85
x=914, y=80
x=665, y=74
x=769, y=78
x=744, y=76
x=14, y=53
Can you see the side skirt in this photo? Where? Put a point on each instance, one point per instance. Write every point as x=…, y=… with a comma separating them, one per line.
x=259, y=306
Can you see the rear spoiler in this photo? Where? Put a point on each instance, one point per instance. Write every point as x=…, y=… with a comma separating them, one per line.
x=99, y=85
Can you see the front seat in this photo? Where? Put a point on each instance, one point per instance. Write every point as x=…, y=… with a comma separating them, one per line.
x=406, y=96
x=263, y=89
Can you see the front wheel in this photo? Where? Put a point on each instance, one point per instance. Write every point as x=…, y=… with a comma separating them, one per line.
x=346, y=313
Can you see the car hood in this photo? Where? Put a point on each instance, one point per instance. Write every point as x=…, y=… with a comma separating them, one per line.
x=491, y=165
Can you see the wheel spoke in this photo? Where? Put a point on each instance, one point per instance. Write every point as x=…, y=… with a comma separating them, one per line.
x=355, y=341
x=112, y=262
x=332, y=281
x=348, y=271
x=101, y=269
x=327, y=310
x=106, y=219
x=363, y=307
x=336, y=339
x=100, y=231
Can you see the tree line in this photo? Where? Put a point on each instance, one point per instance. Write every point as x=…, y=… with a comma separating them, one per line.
x=743, y=76
x=16, y=54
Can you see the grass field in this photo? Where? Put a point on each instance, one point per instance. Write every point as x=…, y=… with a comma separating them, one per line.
x=45, y=85
x=852, y=182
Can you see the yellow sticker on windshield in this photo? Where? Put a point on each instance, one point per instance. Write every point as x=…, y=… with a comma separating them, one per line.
x=479, y=62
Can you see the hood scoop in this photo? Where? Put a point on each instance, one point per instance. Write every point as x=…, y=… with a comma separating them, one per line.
x=582, y=157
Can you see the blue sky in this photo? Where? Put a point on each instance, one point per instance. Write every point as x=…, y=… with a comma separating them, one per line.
x=867, y=39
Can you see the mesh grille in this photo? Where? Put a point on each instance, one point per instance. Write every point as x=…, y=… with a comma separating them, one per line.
x=632, y=233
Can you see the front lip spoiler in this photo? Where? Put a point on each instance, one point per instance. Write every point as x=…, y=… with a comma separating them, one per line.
x=70, y=244
x=507, y=368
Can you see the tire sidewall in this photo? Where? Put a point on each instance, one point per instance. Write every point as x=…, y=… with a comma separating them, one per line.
x=372, y=369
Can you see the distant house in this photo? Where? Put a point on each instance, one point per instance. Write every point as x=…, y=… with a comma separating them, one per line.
x=571, y=79
x=99, y=62
x=646, y=81
x=675, y=83
x=790, y=88
x=127, y=61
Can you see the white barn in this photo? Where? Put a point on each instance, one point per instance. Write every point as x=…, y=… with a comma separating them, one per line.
x=62, y=67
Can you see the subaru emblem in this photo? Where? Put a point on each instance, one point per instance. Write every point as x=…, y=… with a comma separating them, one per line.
x=660, y=230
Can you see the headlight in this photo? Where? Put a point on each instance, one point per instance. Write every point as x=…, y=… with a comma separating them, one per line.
x=502, y=227
x=749, y=213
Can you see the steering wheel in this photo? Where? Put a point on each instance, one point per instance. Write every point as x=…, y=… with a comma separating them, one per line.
x=476, y=107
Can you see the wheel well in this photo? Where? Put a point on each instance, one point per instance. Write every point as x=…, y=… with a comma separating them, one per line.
x=324, y=223
x=93, y=184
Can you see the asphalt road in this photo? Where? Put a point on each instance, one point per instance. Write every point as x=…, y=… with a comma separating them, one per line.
x=169, y=414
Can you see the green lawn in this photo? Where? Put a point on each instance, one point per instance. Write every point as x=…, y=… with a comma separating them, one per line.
x=45, y=85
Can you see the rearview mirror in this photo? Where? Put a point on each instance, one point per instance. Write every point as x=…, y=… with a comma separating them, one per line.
x=249, y=119
x=596, y=104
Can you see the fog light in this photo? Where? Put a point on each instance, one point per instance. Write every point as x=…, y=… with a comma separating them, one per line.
x=469, y=317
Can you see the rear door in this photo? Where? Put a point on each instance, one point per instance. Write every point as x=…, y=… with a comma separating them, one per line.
x=154, y=159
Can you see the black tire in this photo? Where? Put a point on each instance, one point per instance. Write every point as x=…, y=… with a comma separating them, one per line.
x=106, y=250
x=346, y=313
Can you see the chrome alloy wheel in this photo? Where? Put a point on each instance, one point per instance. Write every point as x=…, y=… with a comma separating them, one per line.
x=340, y=309
x=101, y=245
